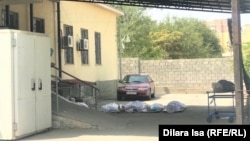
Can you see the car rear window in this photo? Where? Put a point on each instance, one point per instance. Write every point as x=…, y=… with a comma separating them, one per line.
x=136, y=79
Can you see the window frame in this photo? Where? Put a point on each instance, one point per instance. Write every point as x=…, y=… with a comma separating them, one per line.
x=40, y=28
x=84, y=53
x=12, y=23
x=98, y=54
x=69, y=51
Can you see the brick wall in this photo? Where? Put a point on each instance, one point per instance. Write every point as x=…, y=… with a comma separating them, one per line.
x=182, y=75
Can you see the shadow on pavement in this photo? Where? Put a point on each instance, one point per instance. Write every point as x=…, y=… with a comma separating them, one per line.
x=135, y=124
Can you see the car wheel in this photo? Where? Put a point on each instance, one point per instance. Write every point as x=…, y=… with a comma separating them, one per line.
x=153, y=94
x=149, y=96
x=119, y=98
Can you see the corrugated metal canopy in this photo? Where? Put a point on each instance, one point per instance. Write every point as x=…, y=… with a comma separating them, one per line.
x=7, y=2
x=221, y=6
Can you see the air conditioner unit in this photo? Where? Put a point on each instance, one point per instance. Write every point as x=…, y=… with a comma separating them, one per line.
x=85, y=44
x=68, y=41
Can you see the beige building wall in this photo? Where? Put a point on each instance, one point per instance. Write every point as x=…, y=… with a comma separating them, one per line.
x=81, y=15
x=47, y=11
x=23, y=16
x=91, y=16
x=94, y=18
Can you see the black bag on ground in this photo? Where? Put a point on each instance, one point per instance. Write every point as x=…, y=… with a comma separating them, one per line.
x=227, y=86
x=223, y=86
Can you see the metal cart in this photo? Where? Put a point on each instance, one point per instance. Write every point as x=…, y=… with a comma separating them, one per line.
x=215, y=112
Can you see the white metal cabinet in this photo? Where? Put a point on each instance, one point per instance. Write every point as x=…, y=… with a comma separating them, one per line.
x=43, y=81
x=25, y=102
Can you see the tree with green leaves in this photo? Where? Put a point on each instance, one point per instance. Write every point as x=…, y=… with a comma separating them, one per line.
x=135, y=28
x=186, y=38
x=246, y=56
x=174, y=38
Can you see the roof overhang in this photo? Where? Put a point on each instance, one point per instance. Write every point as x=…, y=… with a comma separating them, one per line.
x=7, y=2
x=220, y=6
x=119, y=13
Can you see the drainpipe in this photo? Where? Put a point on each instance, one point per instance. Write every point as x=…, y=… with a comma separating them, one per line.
x=59, y=38
x=31, y=17
x=7, y=15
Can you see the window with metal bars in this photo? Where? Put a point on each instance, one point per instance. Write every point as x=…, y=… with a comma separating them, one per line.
x=84, y=52
x=12, y=17
x=14, y=20
x=69, y=52
x=98, y=55
x=38, y=25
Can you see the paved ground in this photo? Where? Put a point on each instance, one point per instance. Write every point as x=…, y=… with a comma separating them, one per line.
x=137, y=126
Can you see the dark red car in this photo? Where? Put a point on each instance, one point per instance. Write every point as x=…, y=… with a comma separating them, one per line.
x=136, y=86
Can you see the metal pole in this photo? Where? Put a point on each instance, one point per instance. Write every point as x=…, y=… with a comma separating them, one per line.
x=31, y=18
x=59, y=37
x=120, y=51
x=236, y=25
x=57, y=101
x=95, y=97
x=7, y=16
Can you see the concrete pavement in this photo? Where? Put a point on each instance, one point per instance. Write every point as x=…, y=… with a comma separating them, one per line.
x=136, y=126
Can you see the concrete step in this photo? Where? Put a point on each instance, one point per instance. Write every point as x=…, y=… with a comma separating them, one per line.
x=67, y=114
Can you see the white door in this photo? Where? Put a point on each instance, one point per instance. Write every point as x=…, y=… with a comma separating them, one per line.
x=43, y=79
x=24, y=86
